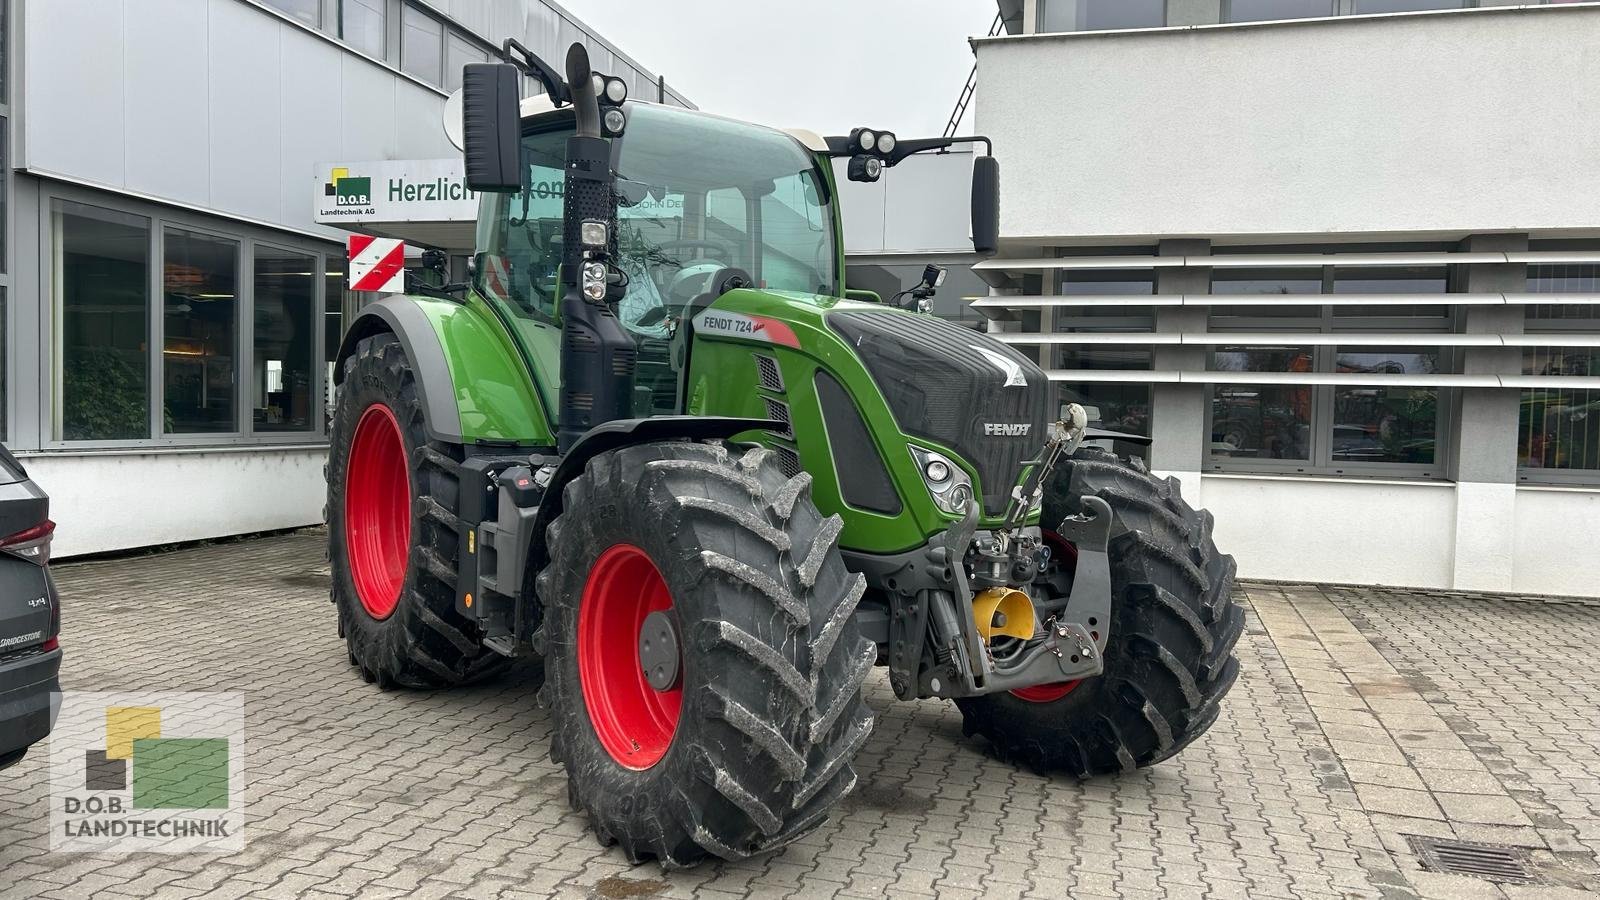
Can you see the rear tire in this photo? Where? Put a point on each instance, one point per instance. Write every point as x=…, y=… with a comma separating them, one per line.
x=395, y=585
x=757, y=745
x=1169, y=659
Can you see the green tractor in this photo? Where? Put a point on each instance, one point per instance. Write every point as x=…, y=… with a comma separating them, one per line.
x=657, y=444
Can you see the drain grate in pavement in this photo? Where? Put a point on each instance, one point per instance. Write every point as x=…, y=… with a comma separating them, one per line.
x=1492, y=862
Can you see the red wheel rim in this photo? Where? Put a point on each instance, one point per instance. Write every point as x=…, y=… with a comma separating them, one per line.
x=634, y=721
x=377, y=511
x=1049, y=693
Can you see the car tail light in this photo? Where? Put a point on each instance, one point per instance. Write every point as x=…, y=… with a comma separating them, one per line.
x=32, y=544
x=52, y=644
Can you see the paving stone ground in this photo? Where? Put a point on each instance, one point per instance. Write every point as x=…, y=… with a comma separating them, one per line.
x=1360, y=716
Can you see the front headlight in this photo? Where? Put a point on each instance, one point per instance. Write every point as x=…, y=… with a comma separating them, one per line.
x=947, y=482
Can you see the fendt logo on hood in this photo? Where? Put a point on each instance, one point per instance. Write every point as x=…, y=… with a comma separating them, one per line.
x=1007, y=429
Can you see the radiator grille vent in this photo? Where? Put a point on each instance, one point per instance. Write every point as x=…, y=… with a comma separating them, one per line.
x=789, y=461
x=771, y=377
x=777, y=409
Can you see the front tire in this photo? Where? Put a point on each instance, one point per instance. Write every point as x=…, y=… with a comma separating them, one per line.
x=1169, y=658
x=392, y=531
x=751, y=745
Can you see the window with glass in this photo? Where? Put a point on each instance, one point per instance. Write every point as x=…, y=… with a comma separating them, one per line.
x=1331, y=429
x=1580, y=280
x=422, y=45
x=1119, y=407
x=336, y=299
x=1559, y=429
x=1101, y=15
x=694, y=197
x=100, y=280
x=458, y=52
x=307, y=11
x=362, y=25
x=1335, y=429
x=1369, y=7
x=1262, y=421
x=1558, y=435
x=1378, y=424
x=1270, y=10
x=285, y=335
x=199, y=333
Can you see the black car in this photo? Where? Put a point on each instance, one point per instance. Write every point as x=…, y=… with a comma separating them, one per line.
x=30, y=613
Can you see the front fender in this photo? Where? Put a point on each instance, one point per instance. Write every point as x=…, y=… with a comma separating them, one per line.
x=471, y=383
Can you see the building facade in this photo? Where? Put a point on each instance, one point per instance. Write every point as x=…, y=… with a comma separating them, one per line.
x=171, y=304
x=1340, y=259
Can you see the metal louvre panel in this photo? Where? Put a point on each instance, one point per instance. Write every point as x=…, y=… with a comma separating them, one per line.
x=941, y=384
x=1347, y=379
x=1285, y=260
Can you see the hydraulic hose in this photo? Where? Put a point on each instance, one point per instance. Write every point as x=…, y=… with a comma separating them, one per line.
x=580, y=81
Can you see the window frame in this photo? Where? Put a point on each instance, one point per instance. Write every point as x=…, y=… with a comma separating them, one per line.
x=1324, y=360
x=159, y=219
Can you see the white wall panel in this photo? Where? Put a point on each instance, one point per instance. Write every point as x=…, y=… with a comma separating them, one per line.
x=1352, y=532
x=367, y=114
x=1557, y=542
x=132, y=504
x=1357, y=124
x=418, y=124
x=168, y=150
x=314, y=110
x=216, y=104
x=247, y=112
x=74, y=78
x=923, y=204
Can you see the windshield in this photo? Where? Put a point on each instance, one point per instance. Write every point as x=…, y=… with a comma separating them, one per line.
x=696, y=193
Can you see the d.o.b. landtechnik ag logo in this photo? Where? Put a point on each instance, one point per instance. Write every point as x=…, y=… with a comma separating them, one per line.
x=136, y=772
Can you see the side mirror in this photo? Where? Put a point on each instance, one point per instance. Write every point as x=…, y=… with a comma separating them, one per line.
x=491, y=125
x=985, y=204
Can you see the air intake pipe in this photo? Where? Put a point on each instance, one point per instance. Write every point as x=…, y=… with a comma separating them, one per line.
x=597, y=355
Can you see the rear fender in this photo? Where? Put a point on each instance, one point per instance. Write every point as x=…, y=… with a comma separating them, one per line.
x=472, y=384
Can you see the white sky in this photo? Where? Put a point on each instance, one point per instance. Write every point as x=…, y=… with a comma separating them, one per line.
x=826, y=65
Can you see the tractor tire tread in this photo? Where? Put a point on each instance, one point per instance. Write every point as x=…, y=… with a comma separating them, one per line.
x=1174, y=625
x=762, y=751
x=425, y=643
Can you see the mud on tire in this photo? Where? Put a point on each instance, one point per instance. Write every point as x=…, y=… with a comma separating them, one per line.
x=773, y=662
x=423, y=643
x=1169, y=659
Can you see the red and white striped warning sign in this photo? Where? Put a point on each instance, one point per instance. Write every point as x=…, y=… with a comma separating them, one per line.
x=377, y=264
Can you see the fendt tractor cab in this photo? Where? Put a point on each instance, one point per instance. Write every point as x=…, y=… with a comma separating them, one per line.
x=658, y=443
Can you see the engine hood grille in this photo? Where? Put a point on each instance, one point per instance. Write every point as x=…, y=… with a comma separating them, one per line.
x=957, y=387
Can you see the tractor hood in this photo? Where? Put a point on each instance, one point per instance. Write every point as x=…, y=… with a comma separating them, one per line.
x=955, y=387
x=861, y=391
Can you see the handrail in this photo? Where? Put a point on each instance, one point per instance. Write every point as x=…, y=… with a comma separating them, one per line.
x=971, y=85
